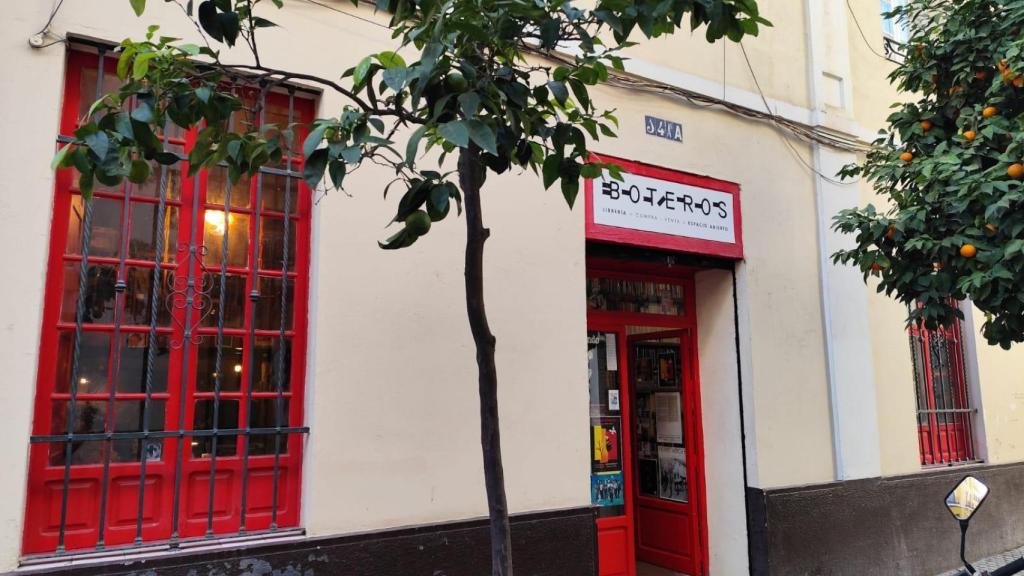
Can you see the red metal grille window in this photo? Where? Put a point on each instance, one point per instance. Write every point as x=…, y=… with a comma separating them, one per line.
x=174, y=330
x=945, y=417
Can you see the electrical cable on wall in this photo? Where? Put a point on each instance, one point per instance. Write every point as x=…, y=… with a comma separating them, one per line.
x=38, y=40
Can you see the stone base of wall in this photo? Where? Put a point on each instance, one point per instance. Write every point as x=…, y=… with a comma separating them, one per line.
x=554, y=543
x=889, y=526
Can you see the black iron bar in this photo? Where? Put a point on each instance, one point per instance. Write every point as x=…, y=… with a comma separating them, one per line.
x=154, y=307
x=192, y=261
x=279, y=360
x=218, y=360
x=115, y=371
x=254, y=296
x=940, y=378
x=917, y=353
x=72, y=412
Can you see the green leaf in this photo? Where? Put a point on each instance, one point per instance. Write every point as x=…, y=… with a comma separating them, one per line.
x=58, y=158
x=390, y=60
x=413, y=144
x=483, y=135
x=470, y=103
x=552, y=165
x=455, y=132
x=99, y=143
x=570, y=189
x=139, y=6
x=559, y=91
x=395, y=78
x=313, y=170
x=314, y=139
x=139, y=171
x=208, y=19
x=359, y=76
x=141, y=65
x=229, y=27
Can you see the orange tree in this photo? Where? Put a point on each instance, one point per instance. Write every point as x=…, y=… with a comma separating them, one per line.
x=949, y=167
x=475, y=86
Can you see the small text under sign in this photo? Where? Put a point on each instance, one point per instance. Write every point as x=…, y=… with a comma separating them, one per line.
x=663, y=128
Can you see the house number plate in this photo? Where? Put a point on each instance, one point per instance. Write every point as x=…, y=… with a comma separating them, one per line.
x=663, y=128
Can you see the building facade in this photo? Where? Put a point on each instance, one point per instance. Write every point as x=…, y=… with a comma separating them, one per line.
x=291, y=399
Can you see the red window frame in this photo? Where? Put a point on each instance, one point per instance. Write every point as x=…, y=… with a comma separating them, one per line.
x=86, y=488
x=945, y=416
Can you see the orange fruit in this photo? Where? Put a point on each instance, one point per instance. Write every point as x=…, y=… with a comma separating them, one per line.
x=968, y=250
x=1015, y=171
x=991, y=228
x=970, y=135
x=1018, y=81
x=890, y=232
x=989, y=112
x=981, y=74
x=926, y=125
x=906, y=156
x=875, y=267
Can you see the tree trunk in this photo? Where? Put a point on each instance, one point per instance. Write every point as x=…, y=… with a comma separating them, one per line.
x=471, y=179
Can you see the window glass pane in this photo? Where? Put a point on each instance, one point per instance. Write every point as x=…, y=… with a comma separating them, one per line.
x=657, y=383
x=231, y=364
x=134, y=363
x=235, y=300
x=227, y=419
x=237, y=228
x=151, y=187
x=265, y=415
x=274, y=192
x=105, y=232
x=267, y=350
x=272, y=244
x=635, y=296
x=90, y=418
x=216, y=187
x=87, y=85
x=268, y=307
x=99, y=293
x=93, y=362
x=144, y=232
x=129, y=418
x=139, y=293
x=607, y=484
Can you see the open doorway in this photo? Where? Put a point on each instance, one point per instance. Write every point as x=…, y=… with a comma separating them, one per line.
x=647, y=478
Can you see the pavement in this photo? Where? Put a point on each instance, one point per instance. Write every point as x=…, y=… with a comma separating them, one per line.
x=992, y=562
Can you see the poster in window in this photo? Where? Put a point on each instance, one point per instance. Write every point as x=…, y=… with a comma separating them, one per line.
x=669, y=416
x=667, y=366
x=607, y=489
x=672, y=481
x=607, y=454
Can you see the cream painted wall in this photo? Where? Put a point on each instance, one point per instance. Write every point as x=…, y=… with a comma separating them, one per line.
x=392, y=400
x=1002, y=398
x=720, y=413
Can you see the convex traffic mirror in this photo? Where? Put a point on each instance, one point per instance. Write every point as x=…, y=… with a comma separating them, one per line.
x=966, y=497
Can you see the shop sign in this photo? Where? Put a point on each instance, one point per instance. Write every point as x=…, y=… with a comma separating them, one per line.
x=661, y=208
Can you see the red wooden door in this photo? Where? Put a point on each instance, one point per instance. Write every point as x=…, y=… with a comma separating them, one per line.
x=610, y=441
x=665, y=464
x=650, y=307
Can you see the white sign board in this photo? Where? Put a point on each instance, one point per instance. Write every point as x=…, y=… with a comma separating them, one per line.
x=655, y=205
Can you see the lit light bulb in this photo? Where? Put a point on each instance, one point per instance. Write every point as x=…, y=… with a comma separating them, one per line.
x=83, y=381
x=238, y=368
x=216, y=220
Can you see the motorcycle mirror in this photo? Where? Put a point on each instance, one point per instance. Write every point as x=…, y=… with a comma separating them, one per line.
x=966, y=497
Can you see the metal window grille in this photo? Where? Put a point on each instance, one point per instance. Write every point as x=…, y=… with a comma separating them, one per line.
x=945, y=415
x=170, y=382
